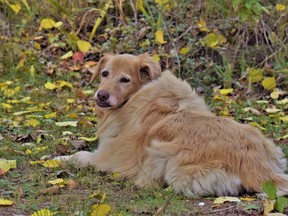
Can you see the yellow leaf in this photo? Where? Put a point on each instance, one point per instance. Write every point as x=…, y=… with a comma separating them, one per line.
x=67, y=55
x=6, y=106
x=156, y=57
x=15, y=7
x=58, y=24
x=160, y=37
x=58, y=181
x=32, y=72
x=50, y=86
x=247, y=199
x=9, y=92
x=268, y=206
x=116, y=175
x=91, y=139
x=6, y=165
x=280, y=7
x=21, y=63
x=32, y=122
x=221, y=200
x=37, y=162
x=139, y=4
x=5, y=202
x=39, y=139
x=67, y=123
x=255, y=124
x=70, y=100
x=83, y=46
x=272, y=110
x=184, y=50
x=212, y=40
x=254, y=75
x=43, y=212
x=51, y=163
x=269, y=83
x=275, y=94
x=28, y=152
x=225, y=91
x=100, y=210
x=47, y=23
x=202, y=26
x=284, y=101
x=50, y=115
x=72, y=115
x=284, y=119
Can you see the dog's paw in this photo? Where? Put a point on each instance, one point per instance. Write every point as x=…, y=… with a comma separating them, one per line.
x=63, y=158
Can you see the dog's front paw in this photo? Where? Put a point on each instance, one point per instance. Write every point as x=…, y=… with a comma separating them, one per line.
x=63, y=158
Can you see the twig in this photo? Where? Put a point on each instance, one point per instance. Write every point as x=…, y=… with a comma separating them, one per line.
x=163, y=208
x=219, y=210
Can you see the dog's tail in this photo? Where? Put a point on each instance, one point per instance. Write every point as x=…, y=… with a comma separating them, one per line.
x=281, y=182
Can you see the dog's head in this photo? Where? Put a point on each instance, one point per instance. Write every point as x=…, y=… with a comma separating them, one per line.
x=122, y=76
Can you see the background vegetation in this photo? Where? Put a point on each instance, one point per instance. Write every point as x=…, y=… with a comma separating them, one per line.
x=235, y=53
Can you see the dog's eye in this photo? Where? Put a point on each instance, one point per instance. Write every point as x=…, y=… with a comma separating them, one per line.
x=125, y=80
x=105, y=73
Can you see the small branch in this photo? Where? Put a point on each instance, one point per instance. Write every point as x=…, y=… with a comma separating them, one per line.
x=162, y=209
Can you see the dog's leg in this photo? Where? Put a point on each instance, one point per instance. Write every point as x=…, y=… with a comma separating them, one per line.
x=80, y=159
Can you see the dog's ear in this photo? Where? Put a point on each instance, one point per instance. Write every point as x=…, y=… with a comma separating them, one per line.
x=96, y=69
x=149, y=69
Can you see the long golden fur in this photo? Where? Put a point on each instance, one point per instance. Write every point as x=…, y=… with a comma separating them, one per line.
x=161, y=132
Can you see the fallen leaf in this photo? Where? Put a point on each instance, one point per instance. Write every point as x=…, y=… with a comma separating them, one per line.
x=51, y=163
x=284, y=119
x=67, y=123
x=254, y=75
x=15, y=7
x=5, y=202
x=83, y=46
x=268, y=206
x=280, y=7
x=89, y=139
x=221, y=200
x=50, y=115
x=67, y=55
x=58, y=181
x=159, y=35
x=269, y=83
x=225, y=91
x=47, y=23
x=100, y=210
x=252, y=110
x=32, y=122
x=247, y=198
x=71, y=183
x=43, y=212
x=184, y=50
x=78, y=57
x=6, y=165
x=272, y=110
x=255, y=124
x=202, y=26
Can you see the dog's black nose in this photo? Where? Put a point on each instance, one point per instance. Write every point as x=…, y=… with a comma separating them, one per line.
x=102, y=95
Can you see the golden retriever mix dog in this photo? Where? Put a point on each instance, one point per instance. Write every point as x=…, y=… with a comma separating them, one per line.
x=155, y=129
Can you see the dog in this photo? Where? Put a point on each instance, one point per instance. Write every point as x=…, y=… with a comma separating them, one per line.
x=156, y=130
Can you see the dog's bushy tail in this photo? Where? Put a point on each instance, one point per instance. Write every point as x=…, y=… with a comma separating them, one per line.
x=281, y=182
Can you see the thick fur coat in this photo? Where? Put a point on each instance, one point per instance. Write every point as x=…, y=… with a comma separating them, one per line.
x=165, y=134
